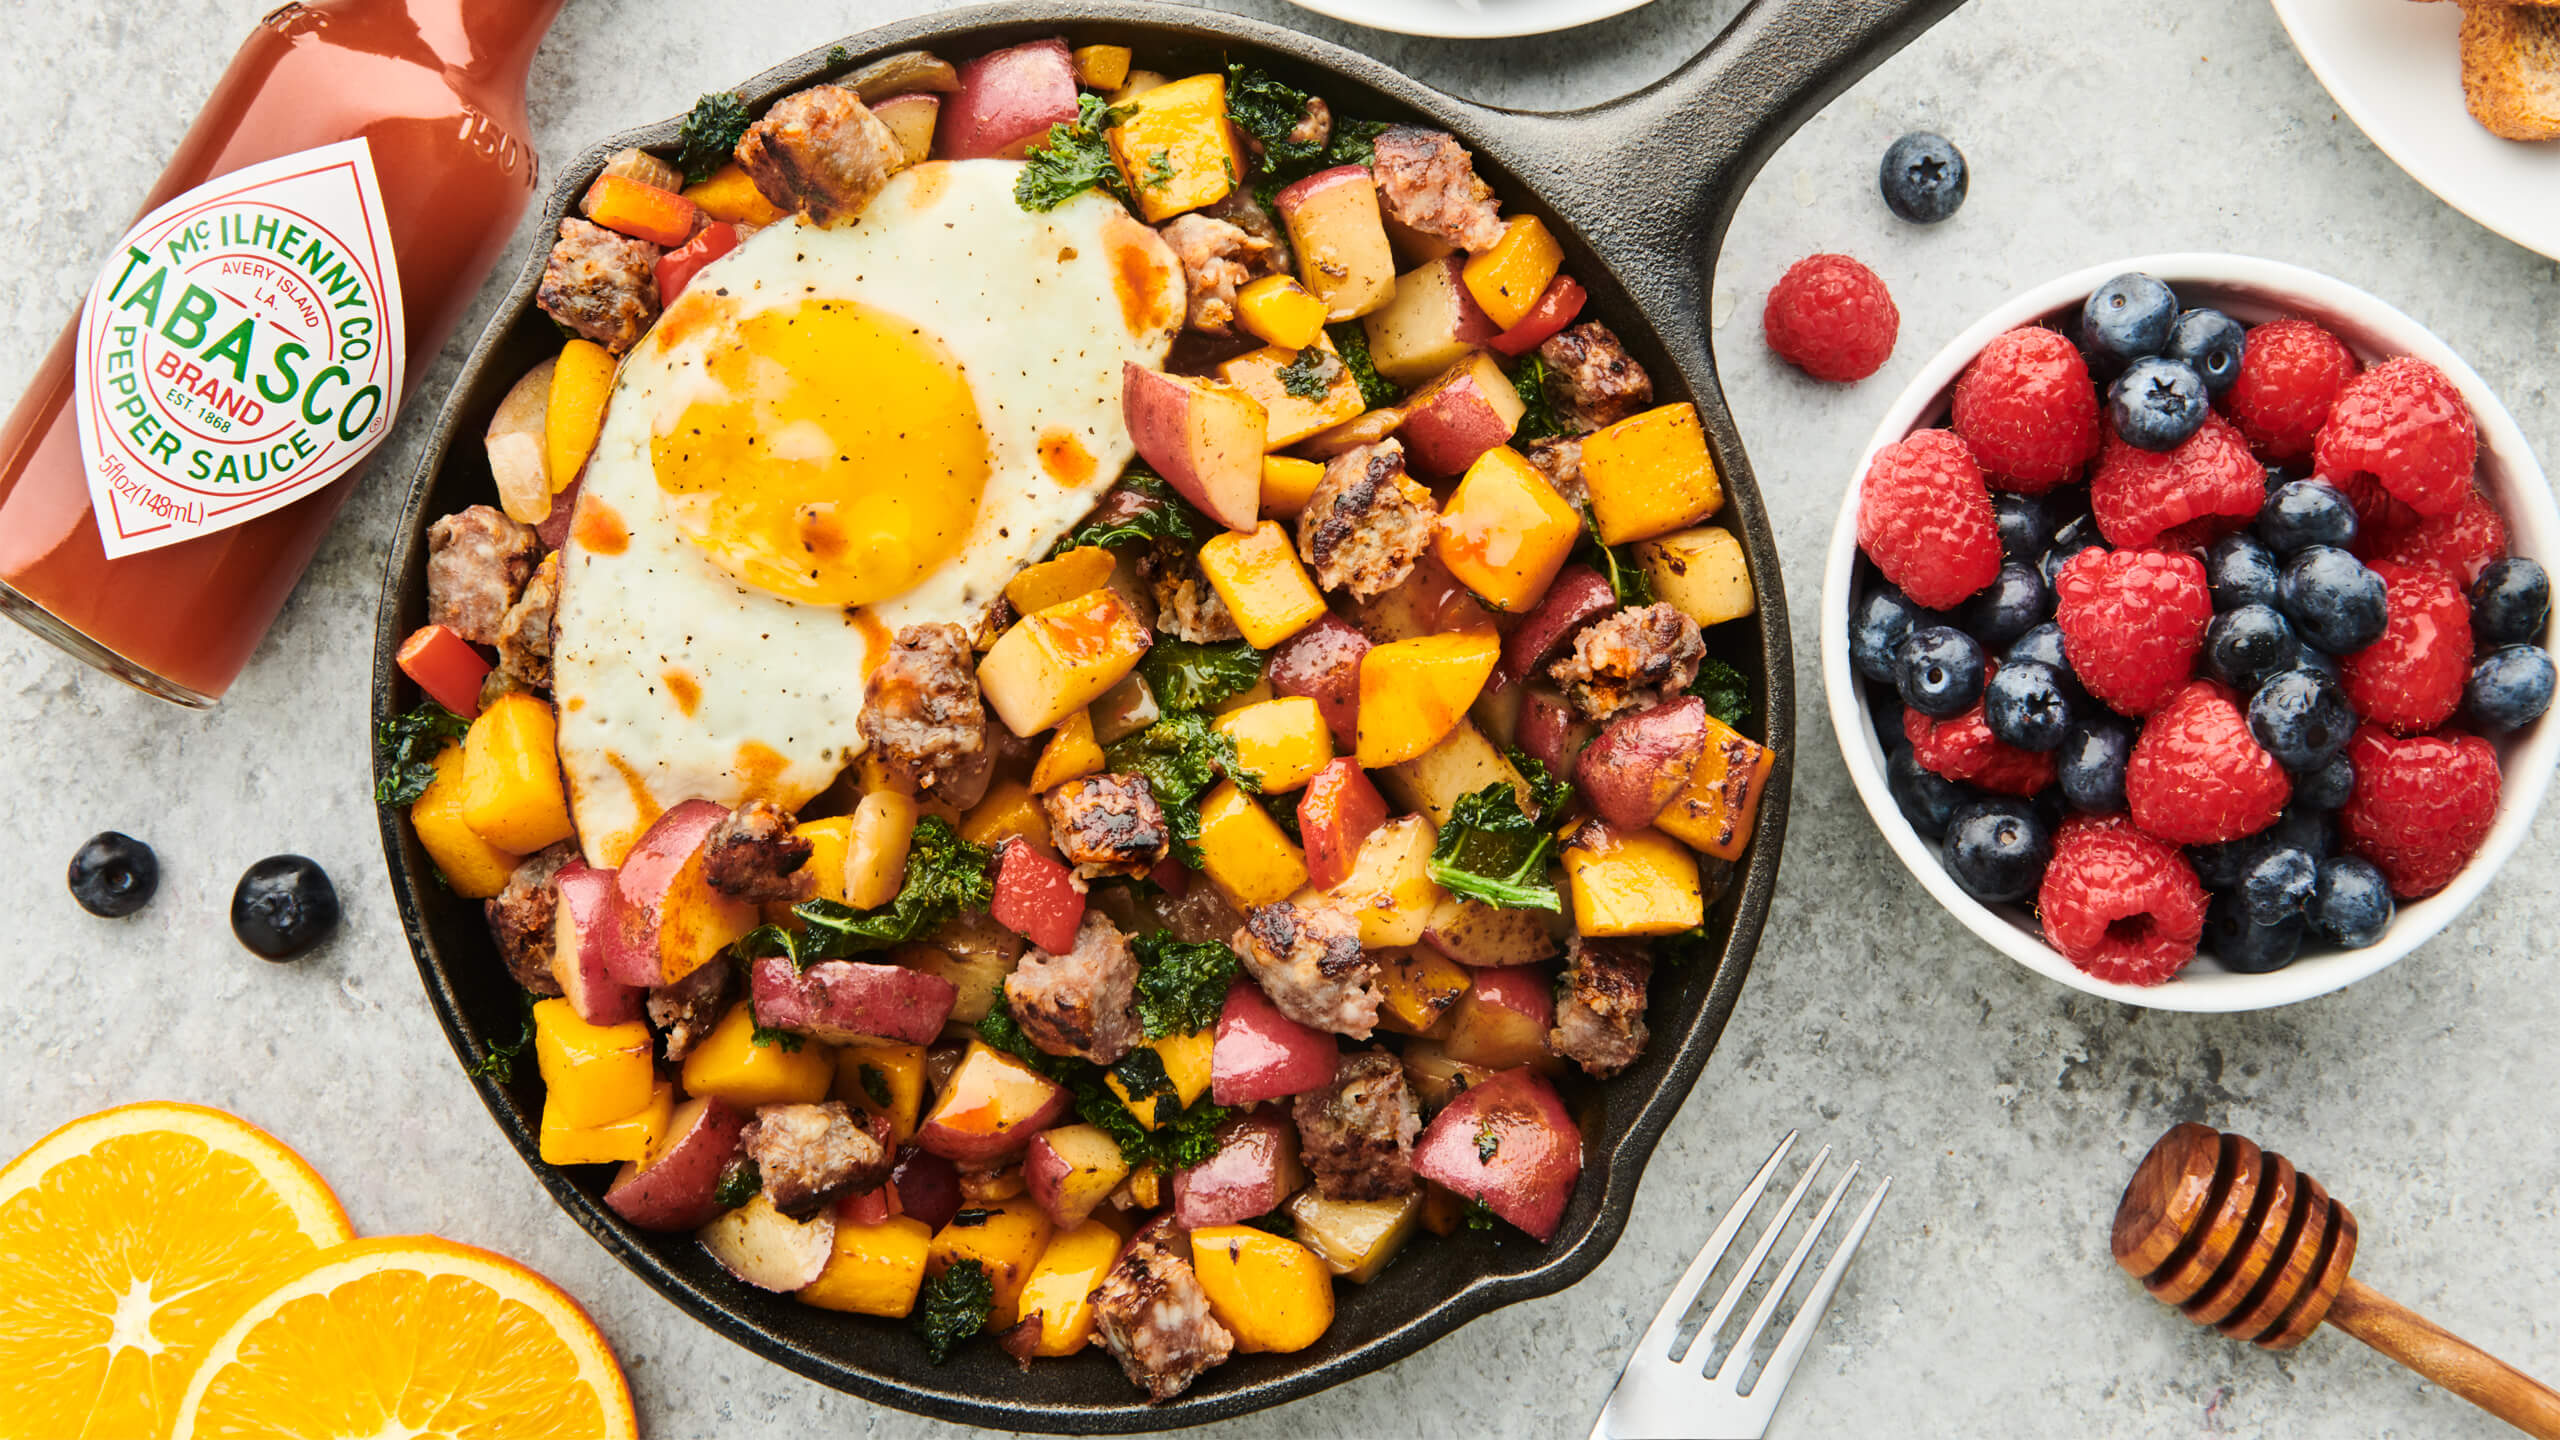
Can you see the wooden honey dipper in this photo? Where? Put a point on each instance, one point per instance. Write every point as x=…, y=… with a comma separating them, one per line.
x=2238, y=1239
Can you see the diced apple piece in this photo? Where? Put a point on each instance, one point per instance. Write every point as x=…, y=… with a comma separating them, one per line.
x=1341, y=243
x=518, y=449
x=1468, y=410
x=1336, y=815
x=1260, y=1054
x=1631, y=882
x=880, y=832
x=1289, y=417
x=673, y=1188
x=1036, y=897
x=1576, y=597
x=1552, y=732
x=1509, y=279
x=673, y=921
x=1437, y=1077
x=1054, y=662
x=1463, y=763
x=1323, y=662
x=1124, y=710
x=1554, y=311
x=1255, y=1168
x=1700, y=572
x=1390, y=888
x=583, y=929
x=974, y=952
x=991, y=1109
x=1430, y=325
x=1509, y=1144
x=1007, y=101
x=910, y=118
x=1414, y=692
x=769, y=1249
x=1176, y=149
x=1642, y=759
x=1354, y=1238
x=846, y=1001
x=1367, y=428
x=1485, y=936
x=1503, y=1019
x=1505, y=532
x=1205, y=437
x=1101, y=67
x=1417, y=988
x=1715, y=814
x=1648, y=475
x=1071, y=1170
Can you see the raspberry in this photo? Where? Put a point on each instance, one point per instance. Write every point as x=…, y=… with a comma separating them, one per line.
x=2377, y=514
x=2411, y=679
x=2132, y=622
x=1832, y=318
x=2290, y=375
x=1963, y=748
x=2461, y=542
x=2403, y=423
x=2118, y=904
x=1924, y=518
x=2421, y=806
x=2198, y=777
x=2209, y=485
x=2029, y=410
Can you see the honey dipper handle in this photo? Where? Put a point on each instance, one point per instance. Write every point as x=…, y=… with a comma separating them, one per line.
x=2447, y=1359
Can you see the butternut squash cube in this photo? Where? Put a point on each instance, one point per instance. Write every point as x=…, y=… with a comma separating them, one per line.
x=580, y=384
x=1355, y=1238
x=730, y=1065
x=1650, y=474
x=1055, y=662
x=593, y=1074
x=474, y=868
x=1071, y=754
x=1287, y=484
x=1505, y=531
x=1279, y=310
x=1008, y=1241
x=875, y=857
x=1390, y=888
x=1063, y=1280
x=1283, y=742
x=634, y=1137
x=873, y=1269
x=830, y=846
x=1281, y=380
x=1701, y=572
x=1418, y=988
x=1186, y=1064
x=1508, y=279
x=1413, y=692
x=1272, y=1292
x=1714, y=815
x=1264, y=585
x=884, y=1079
x=1244, y=851
x=730, y=195
x=1055, y=582
x=1009, y=809
x=1101, y=67
x=513, y=793
x=1631, y=882
x=1176, y=149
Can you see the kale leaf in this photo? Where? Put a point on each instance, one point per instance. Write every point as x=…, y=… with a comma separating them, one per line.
x=1488, y=1142
x=874, y=1085
x=1075, y=158
x=1626, y=579
x=1185, y=676
x=1727, y=694
x=1354, y=142
x=1142, y=1076
x=711, y=134
x=1538, y=417
x=1684, y=946
x=1278, y=1222
x=498, y=1058
x=1490, y=851
x=1180, y=756
x=1268, y=110
x=1311, y=375
x=1182, y=1140
x=1547, y=790
x=1002, y=1032
x=408, y=746
x=1479, y=1215
x=946, y=876
x=1159, y=171
x=1181, y=984
x=1351, y=342
x=1157, y=512
x=954, y=1306
x=1283, y=810
x=740, y=1179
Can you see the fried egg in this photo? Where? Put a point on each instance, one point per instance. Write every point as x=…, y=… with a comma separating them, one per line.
x=833, y=434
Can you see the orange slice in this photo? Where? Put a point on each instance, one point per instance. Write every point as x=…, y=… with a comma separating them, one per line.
x=129, y=1240
x=409, y=1336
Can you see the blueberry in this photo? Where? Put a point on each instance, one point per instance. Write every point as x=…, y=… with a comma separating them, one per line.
x=2351, y=905
x=114, y=875
x=2277, y=885
x=2219, y=866
x=1939, y=671
x=2043, y=645
x=2510, y=603
x=2156, y=404
x=1927, y=798
x=2025, y=524
x=2015, y=602
x=2509, y=687
x=2302, y=513
x=1997, y=849
x=2243, y=944
x=2125, y=319
x=2076, y=534
x=2304, y=828
x=2243, y=647
x=1883, y=619
x=1923, y=178
x=2027, y=706
x=2239, y=571
x=2332, y=600
x=2315, y=658
x=2211, y=343
x=2092, y=765
x=2328, y=787
x=2302, y=718
x=284, y=905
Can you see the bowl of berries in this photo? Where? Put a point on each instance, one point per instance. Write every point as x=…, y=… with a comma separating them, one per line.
x=2186, y=632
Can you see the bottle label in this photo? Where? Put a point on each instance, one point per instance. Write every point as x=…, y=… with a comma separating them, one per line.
x=242, y=348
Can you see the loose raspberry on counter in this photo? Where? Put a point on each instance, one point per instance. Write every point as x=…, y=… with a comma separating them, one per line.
x=2132, y=623
x=2462, y=542
x=2198, y=777
x=2411, y=679
x=2029, y=410
x=2404, y=424
x=1832, y=318
x=2119, y=904
x=1924, y=518
x=2289, y=378
x=2421, y=806
x=2209, y=485
x=1963, y=748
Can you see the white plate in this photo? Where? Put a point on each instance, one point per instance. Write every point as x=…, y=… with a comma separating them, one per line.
x=2395, y=68
x=1470, y=19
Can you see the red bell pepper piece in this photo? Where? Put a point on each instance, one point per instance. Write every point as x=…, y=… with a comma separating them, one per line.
x=1556, y=307
x=447, y=667
x=677, y=267
x=638, y=208
x=1036, y=898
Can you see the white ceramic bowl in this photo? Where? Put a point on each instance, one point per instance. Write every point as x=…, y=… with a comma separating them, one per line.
x=2250, y=290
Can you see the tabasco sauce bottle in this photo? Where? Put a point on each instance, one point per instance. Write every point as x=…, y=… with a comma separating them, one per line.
x=247, y=343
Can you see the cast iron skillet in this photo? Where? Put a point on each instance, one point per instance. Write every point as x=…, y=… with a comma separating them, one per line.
x=1640, y=192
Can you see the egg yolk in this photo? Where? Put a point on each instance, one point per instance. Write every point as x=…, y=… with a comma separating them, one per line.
x=831, y=455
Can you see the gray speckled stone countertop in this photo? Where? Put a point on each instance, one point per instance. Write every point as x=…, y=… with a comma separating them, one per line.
x=2010, y=1110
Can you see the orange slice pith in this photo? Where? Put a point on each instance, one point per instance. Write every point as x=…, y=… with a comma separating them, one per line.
x=129, y=1239
x=409, y=1336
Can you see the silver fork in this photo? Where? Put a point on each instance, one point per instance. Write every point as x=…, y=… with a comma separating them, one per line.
x=1666, y=1394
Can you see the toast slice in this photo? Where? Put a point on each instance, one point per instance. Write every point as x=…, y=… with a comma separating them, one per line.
x=2511, y=69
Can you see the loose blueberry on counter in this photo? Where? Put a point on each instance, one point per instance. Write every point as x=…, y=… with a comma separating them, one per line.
x=1997, y=850
x=2211, y=344
x=2091, y=765
x=1923, y=178
x=2015, y=602
x=113, y=875
x=2302, y=513
x=2125, y=319
x=2027, y=706
x=1939, y=671
x=2239, y=571
x=2277, y=885
x=2156, y=403
x=2243, y=944
x=2243, y=647
x=2302, y=718
x=2352, y=904
x=2332, y=600
x=2509, y=687
x=2510, y=603
x=1928, y=799
x=1884, y=618
x=2026, y=526
x=2328, y=787
x=283, y=906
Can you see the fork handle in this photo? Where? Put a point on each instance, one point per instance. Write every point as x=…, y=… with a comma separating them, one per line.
x=2447, y=1359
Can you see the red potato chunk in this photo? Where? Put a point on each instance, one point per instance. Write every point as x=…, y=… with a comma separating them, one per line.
x=1509, y=1144
x=1642, y=760
x=845, y=1001
x=1259, y=1054
x=1322, y=662
x=1255, y=1168
x=1337, y=812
